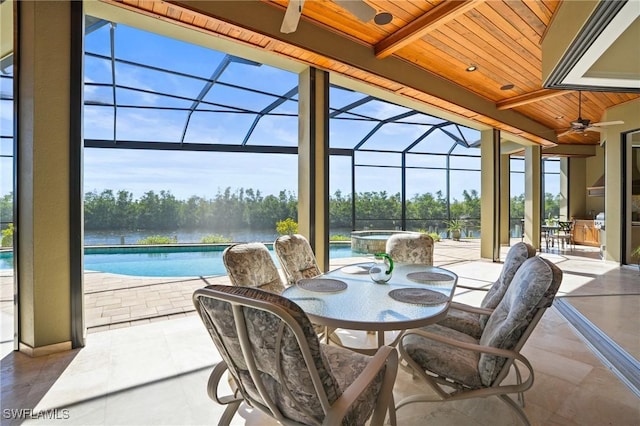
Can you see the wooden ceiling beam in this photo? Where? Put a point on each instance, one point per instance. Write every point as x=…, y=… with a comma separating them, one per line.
x=530, y=97
x=439, y=15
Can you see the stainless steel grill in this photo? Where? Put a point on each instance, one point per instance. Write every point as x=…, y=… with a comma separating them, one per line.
x=598, y=223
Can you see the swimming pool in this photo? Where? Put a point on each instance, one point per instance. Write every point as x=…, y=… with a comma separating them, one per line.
x=163, y=261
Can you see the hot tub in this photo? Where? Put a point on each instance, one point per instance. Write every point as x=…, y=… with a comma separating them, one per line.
x=371, y=242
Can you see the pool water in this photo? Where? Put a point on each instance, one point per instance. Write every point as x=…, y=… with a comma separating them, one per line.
x=162, y=262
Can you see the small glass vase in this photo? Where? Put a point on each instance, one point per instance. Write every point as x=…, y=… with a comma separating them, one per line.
x=382, y=270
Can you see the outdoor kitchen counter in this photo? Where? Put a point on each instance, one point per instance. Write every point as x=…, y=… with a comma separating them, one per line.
x=586, y=233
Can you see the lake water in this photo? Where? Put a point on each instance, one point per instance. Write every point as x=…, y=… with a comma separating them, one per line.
x=101, y=238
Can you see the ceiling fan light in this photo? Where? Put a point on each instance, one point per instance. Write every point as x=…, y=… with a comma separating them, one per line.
x=383, y=18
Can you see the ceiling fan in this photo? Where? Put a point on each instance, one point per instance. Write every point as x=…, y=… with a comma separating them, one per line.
x=357, y=8
x=581, y=125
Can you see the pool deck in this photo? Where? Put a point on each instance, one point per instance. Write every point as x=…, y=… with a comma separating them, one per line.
x=154, y=374
x=115, y=301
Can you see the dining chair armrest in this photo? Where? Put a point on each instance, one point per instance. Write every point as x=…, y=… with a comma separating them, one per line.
x=468, y=308
x=505, y=353
x=384, y=355
x=214, y=381
x=471, y=287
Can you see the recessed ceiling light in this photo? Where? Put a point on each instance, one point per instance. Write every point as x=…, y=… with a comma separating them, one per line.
x=471, y=68
x=383, y=18
x=559, y=117
x=507, y=87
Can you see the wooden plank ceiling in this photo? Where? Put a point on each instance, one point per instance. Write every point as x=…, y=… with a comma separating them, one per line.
x=501, y=38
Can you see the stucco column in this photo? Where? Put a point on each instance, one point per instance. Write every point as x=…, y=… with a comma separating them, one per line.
x=505, y=199
x=564, y=189
x=49, y=191
x=490, y=203
x=313, y=162
x=577, y=188
x=618, y=209
x=532, y=180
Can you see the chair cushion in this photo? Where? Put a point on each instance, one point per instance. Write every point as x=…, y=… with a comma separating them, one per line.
x=346, y=366
x=533, y=287
x=251, y=265
x=516, y=256
x=464, y=322
x=473, y=324
x=296, y=397
x=296, y=257
x=445, y=360
x=410, y=248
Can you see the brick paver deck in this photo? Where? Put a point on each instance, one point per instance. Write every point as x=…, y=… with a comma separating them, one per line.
x=113, y=301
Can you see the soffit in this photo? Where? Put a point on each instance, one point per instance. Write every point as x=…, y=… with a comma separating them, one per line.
x=591, y=45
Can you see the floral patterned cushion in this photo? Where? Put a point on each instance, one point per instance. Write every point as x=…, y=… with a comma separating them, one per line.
x=346, y=366
x=445, y=360
x=296, y=257
x=516, y=256
x=534, y=286
x=288, y=381
x=473, y=324
x=251, y=265
x=464, y=322
x=410, y=248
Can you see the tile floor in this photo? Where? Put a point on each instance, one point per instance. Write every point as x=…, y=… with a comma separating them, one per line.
x=155, y=373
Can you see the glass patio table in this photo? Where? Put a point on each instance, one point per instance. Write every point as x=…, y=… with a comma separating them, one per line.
x=415, y=296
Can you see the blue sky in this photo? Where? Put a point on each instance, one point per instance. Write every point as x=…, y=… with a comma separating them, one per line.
x=206, y=173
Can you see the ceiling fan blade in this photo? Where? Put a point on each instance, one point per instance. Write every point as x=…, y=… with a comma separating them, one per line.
x=565, y=133
x=358, y=8
x=292, y=16
x=608, y=123
x=592, y=129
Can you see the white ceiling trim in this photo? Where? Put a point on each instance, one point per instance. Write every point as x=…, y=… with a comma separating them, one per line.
x=579, y=74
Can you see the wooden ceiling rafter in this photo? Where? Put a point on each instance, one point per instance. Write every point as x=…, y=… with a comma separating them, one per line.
x=531, y=97
x=429, y=21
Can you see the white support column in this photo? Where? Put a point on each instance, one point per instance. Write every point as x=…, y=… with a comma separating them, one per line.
x=313, y=162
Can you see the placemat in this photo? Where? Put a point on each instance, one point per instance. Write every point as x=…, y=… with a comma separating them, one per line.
x=360, y=268
x=323, y=285
x=418, y=296
x=426, y=277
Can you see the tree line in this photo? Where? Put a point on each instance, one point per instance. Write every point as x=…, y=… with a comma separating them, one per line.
x=248, y=208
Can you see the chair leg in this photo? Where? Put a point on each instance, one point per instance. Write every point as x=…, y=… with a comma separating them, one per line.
x=392, y=412
x=519, y=380
x=232, y=401
x=229, y=412
x=514, y=405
